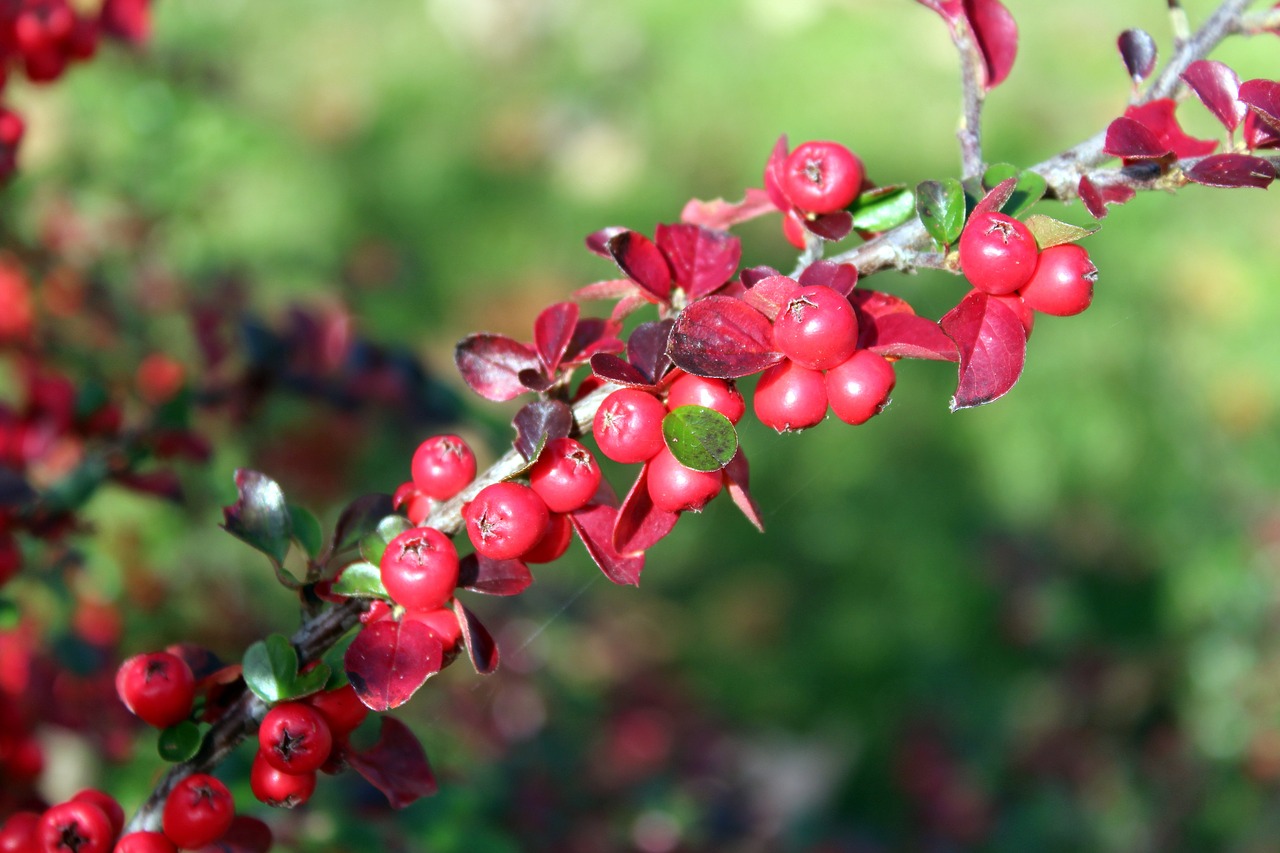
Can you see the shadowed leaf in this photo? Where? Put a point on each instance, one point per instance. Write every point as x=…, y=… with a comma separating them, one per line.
x=723, y=338
x=260, y=515
x=1138, y=50
x=737, y=477
x=388, y=661
x=480, y=645
x=358, y=518
x=246, y=835
x=701, y=260
x=941, y=208
x=396, y=765
x=831, y=226
x=594, y=525
x=639, y=524
x=540, y=422
x=482, y=574
x=993, y=346
x=611, y=368
x=552, y=332
x=647, y=349
x=642, y=262
x=842, y=278
x=491, y=365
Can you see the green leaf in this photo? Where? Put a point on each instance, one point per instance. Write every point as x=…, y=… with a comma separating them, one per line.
x=180, y=742
x=260, y=515
x=311, y=681
x=1030, y=187
x=360, y=580
x=700, y=438
x=78, y=486
x=941, y=208
x=10, y=615
x=307, y=531
x=1052, y=232
x=373, y=544
x=883, y=208
x=270, y=668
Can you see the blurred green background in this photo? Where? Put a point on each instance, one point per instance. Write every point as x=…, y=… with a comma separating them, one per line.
x=1050, y=622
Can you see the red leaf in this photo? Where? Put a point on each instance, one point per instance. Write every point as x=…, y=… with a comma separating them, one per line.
x=491, y=365
x=722, y=337
x=613, y=288
x=1138, y=50
x=481, y=648
x=388, y=661
x=590, y=336
x=1158, y=117
x=993, y=348
x=1218, y=87
x=647, y=349
x=996, y=197
x=1130, y=139
x=701, y=259
x=1259, y=134
x=160, y=484
x=486, y=575
x=552, y=332
x=769, y=295
x=736, y=477
x=540, y=421
x=613, y=369
x=396, y=765
x=907, y=336
x=1232, y=170
x=750, y=276
x=841, y=278
x=997, y=36
x=1263, y=97
x=245, y=835
x=643, y=262
x=594, y=525
x=946, y=8
x=640, y=525
x=598, y=241
x=1097, y=198
x=773, y=175
x=831, y=226
x=873, y=303
x=721, y=215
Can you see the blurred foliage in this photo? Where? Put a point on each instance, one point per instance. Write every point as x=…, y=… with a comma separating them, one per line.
x=1049, y=623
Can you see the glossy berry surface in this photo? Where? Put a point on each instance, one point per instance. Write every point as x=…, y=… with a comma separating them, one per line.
x=505, y=520
x=1062, y=284
x=294, y=737
x=108, y=804
x=420, y=568
x=341, y=708
x=159, y=688
x=197, y=811
x=675, y=488
x=997, y=253
x=554, y=542
x=858, y=388
x=442, y=623
x=790, y=397
x=144, y=842
x=277, y=788
x=565, y=476
x=817, y=328
x=794, y=231
x=76, y=826
x=821, y=177
x=20, y=832
x=718, y=394
x=628, y=426
x=442, y=466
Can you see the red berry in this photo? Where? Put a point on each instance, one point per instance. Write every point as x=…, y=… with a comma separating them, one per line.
x=109, y=807
x=553, y=543
x=414, y=504
x=817, y=328
x=718, y=394
x=158, y=687
x=294, y=737
x=675, y=488
x=76, y=826
x=821, y=177
x=628, y=425
x=12, y=127
x=793, y=229
x=443, y=624
x=420, y=568
x=858, y=388
x=277, y=788
x=341, y=708
x=1062, y=284
x=129, y=20
x=565, y=476
x=144, y=842
x=442, y=466
x=505, y=520
x=997, y=252
x=20, y=833
x=159, y=378
x=197, y=811
x=790, y=397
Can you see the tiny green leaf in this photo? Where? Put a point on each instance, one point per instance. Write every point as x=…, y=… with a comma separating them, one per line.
x=360, y=580
x=270, y=667
x=1029, y=188
x=180, y=742
x=306, y=530
x=700, y=438
x=941, y=208
x=883, y=208
x=260, y=515
x=1051, y=232
x=375, y=542
x=10, y=615
x=311, y=681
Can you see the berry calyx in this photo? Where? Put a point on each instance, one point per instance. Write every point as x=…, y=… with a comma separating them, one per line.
x=997, y=253
x=821, y=177
x=565, y=476
x=197, y=811
x=294, y=738
x=158, y=687
x=628, y=426
x=675, y=488
x=1062, y=284
x=816, y=328
x=858, y=388
x=420, y=568
x=442, y=466
x=505, y=520
x=76, y=826
x=718, y=394
x=790, y=397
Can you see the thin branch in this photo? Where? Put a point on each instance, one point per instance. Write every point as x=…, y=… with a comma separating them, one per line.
x=973, y=96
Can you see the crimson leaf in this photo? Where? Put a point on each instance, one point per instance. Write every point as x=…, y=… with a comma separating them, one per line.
x=388, y=661
x=1263, y=97
x=723, y=338
x=647, y=349
x=769, y=295
x=642, y=262
x=841, y=278
x=701, y=259
x=1097, y=198
x=396, y=765
x=831, y=226
x=737, y=476
x=491, y=365
x=594, y=525
x=1158, y=117
x=493, y=577
x=993, y=347
x=611, y=368
x=773, y=175
x=552, y=332
x=720, y=214
x=997, y=36
x=639, y=524
x=1138, y=50
x=1232, y=170
x=245, y=835
x=1218, y=87
x=480, y=645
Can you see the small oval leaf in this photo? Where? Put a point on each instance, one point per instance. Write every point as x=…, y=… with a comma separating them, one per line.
x=1138, y=50
x=883, y=208
x=180, y=742
x=993, y=346
x=307, y=531
x=270, y=667
x=360, y=580
x=1232, y=170
x=396, y=765
x=700, y=438
x=1052, y=232
x=941, y=208
x=260, y=515
x=388, y=661
x=1218, y=88
x=724, y=338
x=491, y=365
x=375, y=541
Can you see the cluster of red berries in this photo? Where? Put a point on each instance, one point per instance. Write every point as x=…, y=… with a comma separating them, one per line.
x=999, y=256
x=815, y=178
x=298, y=739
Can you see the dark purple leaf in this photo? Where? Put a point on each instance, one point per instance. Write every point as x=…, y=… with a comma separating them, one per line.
x=358, y=518
x=997, y=36
x=1232, y=170
x=590, y=336
x=737, y=476
x=769, y=295
x=1097, y=198
x=202, y=661
x=702, y=260
x=540, y=422
x=481, y=648
x=260, y=515
x=751, y=275
x=1263, y=97
x=640, y=525
x=535, y=380
x=594, y=525
x=396, y=765
x=491, y=365
x=1138, y=50
x=482, y=574
x=246, y=835
x=1158, y=117
x=724, y=338
x=598, y=241
x=720, y=215
x=1218, y=87
x=908, y=336
x=643, y=262
x=552, y=333
x=388, y=661
x=993, y=347
x=1131, y=140
x=831, y=226
x=647, y=348
x=611, y=368
x=1259, y=134
x=773, y=175
x=841, y=278
x=161, y=484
